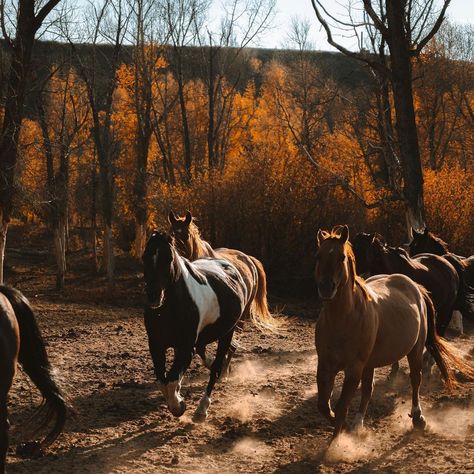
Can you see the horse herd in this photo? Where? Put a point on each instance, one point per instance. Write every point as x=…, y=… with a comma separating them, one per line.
x=196, y=295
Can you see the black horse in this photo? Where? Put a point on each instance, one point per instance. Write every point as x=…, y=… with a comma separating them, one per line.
x=427, y=242
x=189, y=305
x=21, y=341
x=435, y=273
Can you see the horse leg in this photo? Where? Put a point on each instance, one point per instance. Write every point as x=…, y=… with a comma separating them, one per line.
x=206, y=359
x=222, y=348
x=325, y=379
x=4, y=427
x=415, y=359
x=366, y=389
x=182, y=360
x=393, y=371
x=352, y=379
x=443, y=319
x=233, y=347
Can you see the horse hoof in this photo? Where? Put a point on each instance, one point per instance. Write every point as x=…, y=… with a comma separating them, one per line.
x=199, y=416
x=180, y=411
x=419, y=423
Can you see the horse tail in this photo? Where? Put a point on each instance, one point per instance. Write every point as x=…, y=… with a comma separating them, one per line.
x=35, y=363
x=441, y=351
x=260, y=313
x=465, y=297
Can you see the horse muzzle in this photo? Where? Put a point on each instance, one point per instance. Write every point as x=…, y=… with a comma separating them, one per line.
x=326, y=289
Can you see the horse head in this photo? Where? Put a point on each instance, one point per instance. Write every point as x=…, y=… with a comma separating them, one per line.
x=332, y=262
x=158, y=266
x=181, y=229
x=426, y=242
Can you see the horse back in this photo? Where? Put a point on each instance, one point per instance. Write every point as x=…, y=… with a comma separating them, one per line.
x=245, y=266
x=400, y=312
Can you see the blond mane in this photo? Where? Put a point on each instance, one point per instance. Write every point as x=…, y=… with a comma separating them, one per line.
x=357, y=280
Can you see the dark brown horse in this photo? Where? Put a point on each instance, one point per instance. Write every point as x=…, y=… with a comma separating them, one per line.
x=192, y=246
x=427, y=242
x=368, y=324
x=435, y=273
x=21, y=341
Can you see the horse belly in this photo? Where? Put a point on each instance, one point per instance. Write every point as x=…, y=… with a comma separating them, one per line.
x=396, y=337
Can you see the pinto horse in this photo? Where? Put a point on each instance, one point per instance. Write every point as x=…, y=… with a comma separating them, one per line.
x=21, y=341
x=427, y=242
x=192, y=246
x=368, y=324
x=189, y=305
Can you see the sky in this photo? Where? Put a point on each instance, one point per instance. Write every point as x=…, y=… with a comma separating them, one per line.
x=459, y=11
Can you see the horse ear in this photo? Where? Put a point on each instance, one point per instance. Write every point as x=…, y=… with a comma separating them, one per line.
x=344, y=230
x=171, y=217
x=188, y=218
x=320, y=237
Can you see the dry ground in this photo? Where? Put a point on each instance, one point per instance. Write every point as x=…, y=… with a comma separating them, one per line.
x=263, y=418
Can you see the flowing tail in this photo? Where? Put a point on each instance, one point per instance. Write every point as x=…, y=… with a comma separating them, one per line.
x=35, y=363
x=260, y=313
x=465, y=298
x=441, y=350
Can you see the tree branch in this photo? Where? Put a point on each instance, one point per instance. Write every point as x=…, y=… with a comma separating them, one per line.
x=373, y=64
x=433, y=31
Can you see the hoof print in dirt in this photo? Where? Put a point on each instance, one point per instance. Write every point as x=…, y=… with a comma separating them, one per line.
x=31, y=449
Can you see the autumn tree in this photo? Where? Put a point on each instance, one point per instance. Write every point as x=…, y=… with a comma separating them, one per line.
x=103, y=23
x=183, y=19
x=405, y=28
x=20, y=23
x=62, y=112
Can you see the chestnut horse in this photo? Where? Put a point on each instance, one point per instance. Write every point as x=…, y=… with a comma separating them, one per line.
x=368, y=324
x=192, y=246
x=20, y=340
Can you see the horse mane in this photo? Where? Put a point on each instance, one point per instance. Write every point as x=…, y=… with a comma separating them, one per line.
x=199, y=246
x=439, y=241
x=357, y=280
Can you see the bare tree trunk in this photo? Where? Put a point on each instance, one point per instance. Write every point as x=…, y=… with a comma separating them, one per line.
x=3, y=243
x=140, y=238
x=405, y=114
x=109, y=254
x=60, y=251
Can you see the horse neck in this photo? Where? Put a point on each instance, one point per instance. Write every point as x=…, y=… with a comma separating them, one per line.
x=344, y=302
x=200, y=248
x=175, y=271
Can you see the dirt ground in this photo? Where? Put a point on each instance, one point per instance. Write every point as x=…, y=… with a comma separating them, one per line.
x=263, y=418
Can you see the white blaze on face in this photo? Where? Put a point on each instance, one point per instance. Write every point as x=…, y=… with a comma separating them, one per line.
x=171, y=392
x=203, y=296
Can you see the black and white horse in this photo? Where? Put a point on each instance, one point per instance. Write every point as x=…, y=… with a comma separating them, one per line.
x=189, y=305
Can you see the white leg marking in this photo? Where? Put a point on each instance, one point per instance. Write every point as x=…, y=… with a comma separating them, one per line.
x=201, y=411
x=174, y=399
x=358, y=421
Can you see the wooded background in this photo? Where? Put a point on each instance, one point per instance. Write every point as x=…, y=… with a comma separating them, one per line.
x=139, y=113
